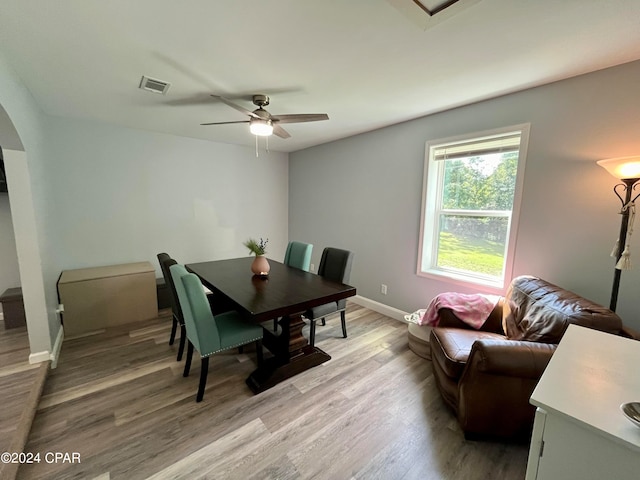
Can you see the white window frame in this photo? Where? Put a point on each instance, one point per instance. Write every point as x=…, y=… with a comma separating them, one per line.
x=432, y=190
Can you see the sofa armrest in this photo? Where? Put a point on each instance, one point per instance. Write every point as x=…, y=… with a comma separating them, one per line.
x=496, y=385
x=510, y=358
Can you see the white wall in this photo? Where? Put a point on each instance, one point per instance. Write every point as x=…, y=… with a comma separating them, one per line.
x=9, y=273
x=363, y=193
x=121, y=195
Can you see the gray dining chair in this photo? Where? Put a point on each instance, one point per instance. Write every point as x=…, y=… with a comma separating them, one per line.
x=335, y=265
x=177, y=319
x=206, y=333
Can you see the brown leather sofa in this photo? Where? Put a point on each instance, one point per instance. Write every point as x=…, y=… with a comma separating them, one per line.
x=487, y=375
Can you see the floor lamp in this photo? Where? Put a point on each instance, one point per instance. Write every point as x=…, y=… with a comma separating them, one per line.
x=626, y=169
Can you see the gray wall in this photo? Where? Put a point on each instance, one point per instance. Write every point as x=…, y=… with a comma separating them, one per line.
x=363, y=193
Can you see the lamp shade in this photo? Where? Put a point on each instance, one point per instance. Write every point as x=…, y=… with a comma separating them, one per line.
x=261, y=127
x=623, y=167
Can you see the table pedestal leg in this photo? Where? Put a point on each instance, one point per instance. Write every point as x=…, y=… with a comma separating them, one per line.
x=292, y=355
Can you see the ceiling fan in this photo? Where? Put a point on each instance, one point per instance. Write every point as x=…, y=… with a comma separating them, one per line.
x=262, y=123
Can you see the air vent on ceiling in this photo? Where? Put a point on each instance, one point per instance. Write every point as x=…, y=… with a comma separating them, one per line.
x=154, y=85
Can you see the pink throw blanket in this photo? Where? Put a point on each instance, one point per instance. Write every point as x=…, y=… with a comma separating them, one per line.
x=471, y=309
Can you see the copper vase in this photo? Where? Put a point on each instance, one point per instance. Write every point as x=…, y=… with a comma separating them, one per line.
x=260, y=266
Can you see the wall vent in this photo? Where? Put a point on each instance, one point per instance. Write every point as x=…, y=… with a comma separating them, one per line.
x=154, y=85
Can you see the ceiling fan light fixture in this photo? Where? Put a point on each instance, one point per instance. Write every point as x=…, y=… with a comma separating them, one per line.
x=261, y=127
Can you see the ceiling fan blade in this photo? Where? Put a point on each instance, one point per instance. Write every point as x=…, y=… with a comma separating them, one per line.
x=198, y=99
x=280, y=132
x=225, y=123
x=300, y=117
x=236, y=106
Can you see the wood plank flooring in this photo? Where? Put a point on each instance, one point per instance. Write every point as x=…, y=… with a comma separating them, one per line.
x=20, y=387
x=16, y=378
x=119, y=400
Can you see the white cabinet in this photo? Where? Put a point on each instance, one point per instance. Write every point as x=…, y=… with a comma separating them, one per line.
x=579, y=431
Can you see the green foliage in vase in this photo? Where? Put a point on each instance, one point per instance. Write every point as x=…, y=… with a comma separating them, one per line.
x=257, y=248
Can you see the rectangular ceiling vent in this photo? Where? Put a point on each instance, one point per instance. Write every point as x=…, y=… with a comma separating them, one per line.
x=154, y=85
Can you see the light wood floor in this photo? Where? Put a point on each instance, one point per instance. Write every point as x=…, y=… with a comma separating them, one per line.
x=16, y=377
x=372, y=412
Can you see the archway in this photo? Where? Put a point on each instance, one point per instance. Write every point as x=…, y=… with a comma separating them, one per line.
x=26, y=241
x=9, y=273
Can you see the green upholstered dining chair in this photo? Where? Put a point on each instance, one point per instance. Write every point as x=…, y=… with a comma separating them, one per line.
x=165, y=262
x=206, y=333
x=335, y=265
x=298, y=255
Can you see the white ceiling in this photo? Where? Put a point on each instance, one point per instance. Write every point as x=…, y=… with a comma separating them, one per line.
x=361, y=61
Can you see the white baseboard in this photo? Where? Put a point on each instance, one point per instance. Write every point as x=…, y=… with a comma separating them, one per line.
x=40, y=357
x=380, y=307
x=56, y=347
x=47, y=355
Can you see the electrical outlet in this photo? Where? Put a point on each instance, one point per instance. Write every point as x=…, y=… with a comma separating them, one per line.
x=383, y=289
x=312, y=268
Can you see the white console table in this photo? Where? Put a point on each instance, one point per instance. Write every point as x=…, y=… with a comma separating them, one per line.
x=579, y=431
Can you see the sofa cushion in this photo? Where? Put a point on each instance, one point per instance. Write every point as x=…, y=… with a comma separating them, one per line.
x=538, y=311
x=450, y=347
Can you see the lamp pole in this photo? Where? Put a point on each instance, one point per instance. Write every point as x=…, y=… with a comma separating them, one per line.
x=628, y=186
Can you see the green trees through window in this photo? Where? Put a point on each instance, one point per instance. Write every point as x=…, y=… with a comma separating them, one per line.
x=468, y=205
x=471, y=242
x=480, y=183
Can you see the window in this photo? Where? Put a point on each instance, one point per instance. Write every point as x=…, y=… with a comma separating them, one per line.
x=471, y=196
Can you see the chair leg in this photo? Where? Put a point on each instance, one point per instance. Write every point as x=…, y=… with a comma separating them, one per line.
x=312, y=332
x=259, y=351
x=343, y=319
x=323, y=322
x=174, y=328
x=275, y=324
x=204, y=370
x=241, y=349
x=183, y=337
x=187, y=364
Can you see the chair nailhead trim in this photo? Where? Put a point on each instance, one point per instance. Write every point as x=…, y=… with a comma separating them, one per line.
x=229, y=348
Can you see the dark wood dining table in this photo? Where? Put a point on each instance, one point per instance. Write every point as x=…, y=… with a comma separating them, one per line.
x=285, y=294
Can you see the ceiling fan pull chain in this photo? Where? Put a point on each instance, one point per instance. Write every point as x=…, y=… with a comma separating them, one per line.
x=267, y=144
x=257, y=155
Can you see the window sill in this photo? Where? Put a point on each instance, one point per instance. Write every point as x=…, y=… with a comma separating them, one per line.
x=484, y=285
